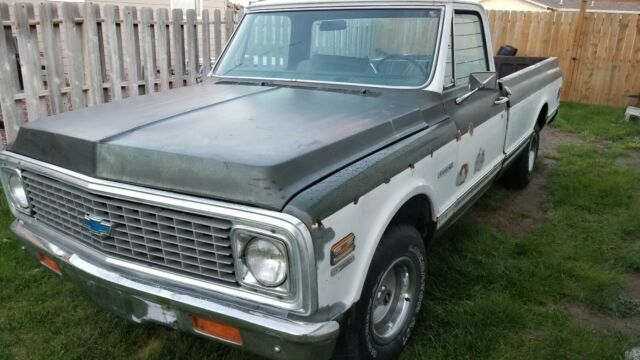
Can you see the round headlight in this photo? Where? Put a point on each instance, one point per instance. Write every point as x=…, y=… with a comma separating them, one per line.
x=17, y=191
x=266, y=261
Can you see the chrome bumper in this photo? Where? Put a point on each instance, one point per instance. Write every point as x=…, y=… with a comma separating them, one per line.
x=140, y=299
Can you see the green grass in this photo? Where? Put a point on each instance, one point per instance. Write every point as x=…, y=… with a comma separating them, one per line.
x=491, y=295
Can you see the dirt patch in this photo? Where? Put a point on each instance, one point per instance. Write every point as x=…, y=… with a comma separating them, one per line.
x=632, y=285
x=525, y=209
x=596, y=321
x=630, y=160
x=552, y=138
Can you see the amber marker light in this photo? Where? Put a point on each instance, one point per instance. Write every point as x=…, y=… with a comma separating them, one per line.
x=342, y=248
x=217, y=330
x=48, y=262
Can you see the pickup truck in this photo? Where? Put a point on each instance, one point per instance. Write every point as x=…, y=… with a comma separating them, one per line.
x=285, y=205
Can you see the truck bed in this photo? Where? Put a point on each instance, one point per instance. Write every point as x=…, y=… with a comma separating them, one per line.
x=507, y=65
x=524, y=75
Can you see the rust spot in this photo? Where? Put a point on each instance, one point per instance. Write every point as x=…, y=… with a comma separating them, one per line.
x=459, y=135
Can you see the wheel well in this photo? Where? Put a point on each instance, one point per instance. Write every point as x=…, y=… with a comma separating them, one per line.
x=542, y=117
x=416, y=212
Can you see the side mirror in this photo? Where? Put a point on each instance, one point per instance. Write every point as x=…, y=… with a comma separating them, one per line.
x=479, y=80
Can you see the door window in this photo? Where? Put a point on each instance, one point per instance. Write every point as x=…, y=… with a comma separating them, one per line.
x=469, y=46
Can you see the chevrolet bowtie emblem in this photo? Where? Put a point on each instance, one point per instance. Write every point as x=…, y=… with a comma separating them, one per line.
x=98, y=226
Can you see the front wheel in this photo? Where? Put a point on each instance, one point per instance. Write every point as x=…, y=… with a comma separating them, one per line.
x=521, y=172
x=387, y=312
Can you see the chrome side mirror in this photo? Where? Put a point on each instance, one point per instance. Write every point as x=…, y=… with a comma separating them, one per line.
x=477, y=81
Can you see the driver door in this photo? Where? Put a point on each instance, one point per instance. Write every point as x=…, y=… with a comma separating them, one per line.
x=480, y=119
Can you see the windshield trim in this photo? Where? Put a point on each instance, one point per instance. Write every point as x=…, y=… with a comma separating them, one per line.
x=422, y=86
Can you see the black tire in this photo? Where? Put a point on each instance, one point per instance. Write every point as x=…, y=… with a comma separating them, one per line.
x=522, y=170
x=401, y=245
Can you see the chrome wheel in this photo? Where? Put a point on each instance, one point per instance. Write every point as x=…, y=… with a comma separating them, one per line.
x=393, y=297
x=533, y=151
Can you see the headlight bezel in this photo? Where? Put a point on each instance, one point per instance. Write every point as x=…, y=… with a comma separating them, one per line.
x=6, y=173
x=241, y=236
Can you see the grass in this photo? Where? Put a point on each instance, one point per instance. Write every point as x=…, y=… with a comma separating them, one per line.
x=491, y=295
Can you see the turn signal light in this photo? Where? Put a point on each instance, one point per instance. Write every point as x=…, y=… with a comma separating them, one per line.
x=217, y=329
x=48, y=262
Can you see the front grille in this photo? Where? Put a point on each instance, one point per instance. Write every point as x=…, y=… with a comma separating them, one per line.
x=177, y=241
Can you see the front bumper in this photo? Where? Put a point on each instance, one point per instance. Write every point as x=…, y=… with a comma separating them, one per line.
x=140, y=299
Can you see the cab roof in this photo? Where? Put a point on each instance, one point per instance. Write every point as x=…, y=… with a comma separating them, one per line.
x=294, y=4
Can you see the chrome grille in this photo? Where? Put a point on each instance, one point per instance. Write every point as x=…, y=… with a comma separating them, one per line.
x=176, y=241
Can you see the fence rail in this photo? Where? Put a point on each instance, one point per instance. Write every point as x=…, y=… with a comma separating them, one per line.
x=77, y=55
x=599, y=53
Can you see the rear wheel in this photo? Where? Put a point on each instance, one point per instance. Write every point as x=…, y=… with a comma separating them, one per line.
x=521, y=172
x=384, y=318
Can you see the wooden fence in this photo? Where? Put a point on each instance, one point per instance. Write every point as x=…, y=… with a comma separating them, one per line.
x=72, y=56
x=599, y=52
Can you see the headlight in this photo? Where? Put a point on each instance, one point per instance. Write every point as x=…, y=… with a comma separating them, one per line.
x=15, y=188
x=267, y=261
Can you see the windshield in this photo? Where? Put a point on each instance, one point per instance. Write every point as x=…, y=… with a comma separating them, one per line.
x=389, y=47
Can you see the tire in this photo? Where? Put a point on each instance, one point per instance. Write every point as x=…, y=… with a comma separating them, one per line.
x=365, y=336
x=521, y=172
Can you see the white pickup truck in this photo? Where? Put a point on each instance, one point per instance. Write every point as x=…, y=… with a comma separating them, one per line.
x=284, y=206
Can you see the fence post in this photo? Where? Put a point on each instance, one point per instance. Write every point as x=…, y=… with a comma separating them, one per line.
x=94, y=56
x=148, y=49
x=164, y=52
x=51, y=42
x=8, y=74
x=29, y=59
x=206, y=43
x=73, y=51
x=114, y=46
x=178, y=48
x=131, y=49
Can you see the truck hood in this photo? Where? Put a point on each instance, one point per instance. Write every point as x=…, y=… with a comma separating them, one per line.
x=244, y=143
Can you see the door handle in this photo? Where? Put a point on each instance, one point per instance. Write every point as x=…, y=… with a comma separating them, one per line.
x=501, y=100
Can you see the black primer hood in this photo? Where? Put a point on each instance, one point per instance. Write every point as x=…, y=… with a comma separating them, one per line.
x=244, y=143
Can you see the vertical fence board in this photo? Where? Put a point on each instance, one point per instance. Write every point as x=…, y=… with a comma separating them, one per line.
x=206, y=43
x=29, y=59
x=192, y=46
x=51, y=41
x=8, y=74
x=228, y=23
x=632, y=86
x=619, y=66
x=131, y=49
x=113, y=40
x=217, y=23
x=94, y=56
x=164, y=52
x=178, y=47
x=148, y=49
x=72, y=53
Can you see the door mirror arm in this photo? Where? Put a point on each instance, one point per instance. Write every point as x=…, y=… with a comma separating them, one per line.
x=477, y=81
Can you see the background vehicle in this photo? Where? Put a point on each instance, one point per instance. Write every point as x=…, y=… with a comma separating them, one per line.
x=284, y=206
